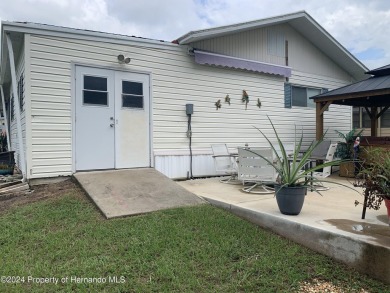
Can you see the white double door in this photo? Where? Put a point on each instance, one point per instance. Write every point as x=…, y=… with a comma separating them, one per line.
x=112, y=125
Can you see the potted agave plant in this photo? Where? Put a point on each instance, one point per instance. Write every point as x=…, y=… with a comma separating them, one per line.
x=295, y=174
x=375, y=179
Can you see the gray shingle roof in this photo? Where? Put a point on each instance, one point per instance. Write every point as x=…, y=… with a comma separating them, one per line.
x=384, y=70
x=380, y=81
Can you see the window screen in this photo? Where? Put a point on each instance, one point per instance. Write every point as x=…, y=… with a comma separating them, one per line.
x=356, y=117
x=301, y=96
x=95, y=91
x=311, y=93
x=385, y=119
x=366, y=123
x=132, y=95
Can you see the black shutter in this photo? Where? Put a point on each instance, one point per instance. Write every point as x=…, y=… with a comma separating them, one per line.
x=287, y=95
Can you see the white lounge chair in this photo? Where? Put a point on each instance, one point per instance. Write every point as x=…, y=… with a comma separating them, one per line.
x=254, y=169
x=225, y=163
x=327, y=170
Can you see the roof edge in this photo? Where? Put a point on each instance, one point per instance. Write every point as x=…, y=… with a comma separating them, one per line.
x=194, y=36
x=46, y=29
x=337, y=43
x=185, y=39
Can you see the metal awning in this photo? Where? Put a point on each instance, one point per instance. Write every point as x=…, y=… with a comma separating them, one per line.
x=208, y=58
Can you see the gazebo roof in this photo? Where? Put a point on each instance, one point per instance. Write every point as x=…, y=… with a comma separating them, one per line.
x=374, y=91
x=384, y=70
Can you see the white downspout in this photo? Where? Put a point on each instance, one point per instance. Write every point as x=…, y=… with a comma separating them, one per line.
x=5, y=118
x=17, y=107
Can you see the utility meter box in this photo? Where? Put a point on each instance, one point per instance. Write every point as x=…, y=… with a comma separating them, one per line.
x=189, y=109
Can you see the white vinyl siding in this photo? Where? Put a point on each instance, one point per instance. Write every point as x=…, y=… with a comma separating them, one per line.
x=176, y=81
x=337, y=118
x=303, y=56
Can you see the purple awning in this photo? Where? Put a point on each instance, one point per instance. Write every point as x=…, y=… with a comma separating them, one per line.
x=238, y=63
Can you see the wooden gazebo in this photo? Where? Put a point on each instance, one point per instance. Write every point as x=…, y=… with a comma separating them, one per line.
x=372, y=94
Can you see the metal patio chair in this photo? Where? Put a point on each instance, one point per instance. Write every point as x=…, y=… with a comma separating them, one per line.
x=225, y=162
x=254, y=169
x=327, y=171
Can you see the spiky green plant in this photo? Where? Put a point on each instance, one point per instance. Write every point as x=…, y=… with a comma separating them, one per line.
x=295, y=170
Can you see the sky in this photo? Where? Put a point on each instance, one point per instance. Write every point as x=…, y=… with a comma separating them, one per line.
x=361, y=26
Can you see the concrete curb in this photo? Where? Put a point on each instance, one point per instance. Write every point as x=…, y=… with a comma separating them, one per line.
x=367, y=258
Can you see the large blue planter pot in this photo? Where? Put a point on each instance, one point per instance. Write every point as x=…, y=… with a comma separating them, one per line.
x=290, y=199
x=9, y=171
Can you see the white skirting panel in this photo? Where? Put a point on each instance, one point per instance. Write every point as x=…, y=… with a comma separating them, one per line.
x=177, y=167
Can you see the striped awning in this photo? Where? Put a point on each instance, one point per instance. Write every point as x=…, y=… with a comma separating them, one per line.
x=207, y=58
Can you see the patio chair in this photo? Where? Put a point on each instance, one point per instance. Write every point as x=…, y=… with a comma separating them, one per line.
x=254, y=169
x=289, y=148
x=225, y=162
x=327, y=170
x=321, y=150
x=319, y=153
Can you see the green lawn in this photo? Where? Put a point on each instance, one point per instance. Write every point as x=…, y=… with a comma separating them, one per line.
x=198, y=249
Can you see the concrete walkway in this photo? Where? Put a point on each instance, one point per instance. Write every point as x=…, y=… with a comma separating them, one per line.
x=130, y=192
x=329, y=224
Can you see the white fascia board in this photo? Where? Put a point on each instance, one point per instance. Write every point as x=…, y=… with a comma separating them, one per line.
x=54, y=31
x=194, y=36
x=334, y=41
x=288, y=18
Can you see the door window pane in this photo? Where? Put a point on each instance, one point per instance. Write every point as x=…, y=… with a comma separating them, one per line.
x=132, y=95
x=132, y=101
x=95, y=83
x=95, y=91
x=95, y=98
x=133, y=88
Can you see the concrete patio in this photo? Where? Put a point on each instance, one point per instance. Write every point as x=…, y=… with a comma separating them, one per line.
x=329, y=224
x=129, y=192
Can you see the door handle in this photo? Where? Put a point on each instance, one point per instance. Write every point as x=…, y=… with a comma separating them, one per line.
x=112, y=125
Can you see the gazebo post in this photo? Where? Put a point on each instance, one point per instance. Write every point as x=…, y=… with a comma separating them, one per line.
x=374, y=121
x=320, y=109
x=319, y=121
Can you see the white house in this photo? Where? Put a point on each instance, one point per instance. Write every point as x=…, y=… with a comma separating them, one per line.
x=79, y=104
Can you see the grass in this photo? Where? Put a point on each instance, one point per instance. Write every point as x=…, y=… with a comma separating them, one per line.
x=197, y=249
